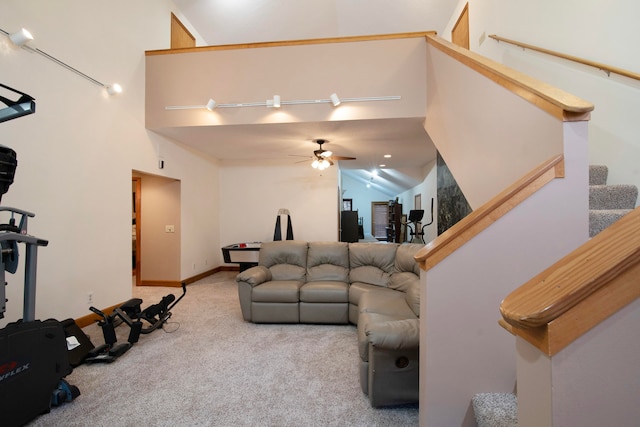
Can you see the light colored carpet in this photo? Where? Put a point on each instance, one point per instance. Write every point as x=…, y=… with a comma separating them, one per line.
x=214, y=369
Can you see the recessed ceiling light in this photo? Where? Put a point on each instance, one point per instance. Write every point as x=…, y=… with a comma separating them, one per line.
x=387, y=156
x=382, y=165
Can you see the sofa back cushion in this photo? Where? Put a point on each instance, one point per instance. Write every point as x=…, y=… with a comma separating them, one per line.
x=286, y=259
x=413, y=297
x=406, y=275
x=405, y=269
x=371, y=263
x=328, y=261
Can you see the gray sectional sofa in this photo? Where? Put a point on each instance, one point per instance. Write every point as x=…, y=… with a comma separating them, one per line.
x=375, y=286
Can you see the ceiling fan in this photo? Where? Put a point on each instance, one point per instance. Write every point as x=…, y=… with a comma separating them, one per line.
x=322, y=158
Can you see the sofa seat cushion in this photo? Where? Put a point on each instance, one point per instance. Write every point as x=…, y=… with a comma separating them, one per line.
x=277, y=291
x=358, y=289
x=325, y=291
x=387, y=303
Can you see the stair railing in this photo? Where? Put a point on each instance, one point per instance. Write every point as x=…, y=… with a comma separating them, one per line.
x=578, y=292
x=604, y=67
x=478, y=220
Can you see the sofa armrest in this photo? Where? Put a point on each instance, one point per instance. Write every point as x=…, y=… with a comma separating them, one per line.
x=254, y=276
x=395, y=334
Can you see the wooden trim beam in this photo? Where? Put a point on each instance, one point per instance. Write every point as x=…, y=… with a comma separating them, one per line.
x=327, y=40
x=558, y=103
x=480, y=219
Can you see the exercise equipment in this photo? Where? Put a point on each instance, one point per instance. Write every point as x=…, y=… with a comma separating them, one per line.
x=33, y=353
x=416, y=229
x=130, y=312
x=109, y=351
x=156, y=315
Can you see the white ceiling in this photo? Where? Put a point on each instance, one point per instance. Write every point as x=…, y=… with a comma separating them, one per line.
x=241, y=21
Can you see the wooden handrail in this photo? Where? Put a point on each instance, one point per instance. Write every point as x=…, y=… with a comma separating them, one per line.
x=604, y=67
x=481, y=218
x=556, y=102
x=563, y=302
x=326, y=40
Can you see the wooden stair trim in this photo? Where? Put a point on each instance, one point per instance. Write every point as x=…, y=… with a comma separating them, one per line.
x=558, y=103
x=579, y=291
x=326, y=40
x=481, y=218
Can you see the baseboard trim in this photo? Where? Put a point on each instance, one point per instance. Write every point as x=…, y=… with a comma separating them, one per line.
x=92, y=317
x=166, y=283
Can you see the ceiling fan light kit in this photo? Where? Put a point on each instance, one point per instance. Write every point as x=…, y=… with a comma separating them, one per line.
x=277, y=102
x=322, y=158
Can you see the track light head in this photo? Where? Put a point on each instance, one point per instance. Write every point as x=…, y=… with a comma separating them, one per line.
x=21, y=37
x=211, y=104
x=114, y=89
x=335, y=100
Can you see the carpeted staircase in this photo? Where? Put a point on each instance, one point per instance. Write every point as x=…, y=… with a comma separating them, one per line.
x=495, y=409
x=607, y=204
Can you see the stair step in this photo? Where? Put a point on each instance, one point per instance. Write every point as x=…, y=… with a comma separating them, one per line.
x=602, y=218
x=612, y=196
x=598, y=174
x=495, y=409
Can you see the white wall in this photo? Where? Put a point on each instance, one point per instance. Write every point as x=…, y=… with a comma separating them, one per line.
x=229, y=22
x=77, y=153
x=463, y=351
x=251, y=196
x=596, y=31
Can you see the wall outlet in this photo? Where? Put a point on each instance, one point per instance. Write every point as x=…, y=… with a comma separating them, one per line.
x=90, y=298
x=194, y=265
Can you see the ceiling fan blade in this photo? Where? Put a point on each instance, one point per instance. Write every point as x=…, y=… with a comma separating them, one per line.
x=342, y=158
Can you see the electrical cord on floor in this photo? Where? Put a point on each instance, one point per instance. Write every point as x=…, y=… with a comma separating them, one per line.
x=170, y=329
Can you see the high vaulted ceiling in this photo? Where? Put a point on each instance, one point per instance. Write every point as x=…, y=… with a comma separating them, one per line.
x=218, y=22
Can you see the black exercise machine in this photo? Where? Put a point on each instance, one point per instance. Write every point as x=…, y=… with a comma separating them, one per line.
x=416, y=229
x=155, y=315
x=33, y=354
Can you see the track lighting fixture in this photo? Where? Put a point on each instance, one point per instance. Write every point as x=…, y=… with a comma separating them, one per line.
x=211, y=104
x=23, y=37
x=114, y=89
x=276, y=102
x=271, y=103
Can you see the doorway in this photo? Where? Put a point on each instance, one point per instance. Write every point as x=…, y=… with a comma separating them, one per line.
x=156, y=230
x=379, y=220
x=135, y=228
